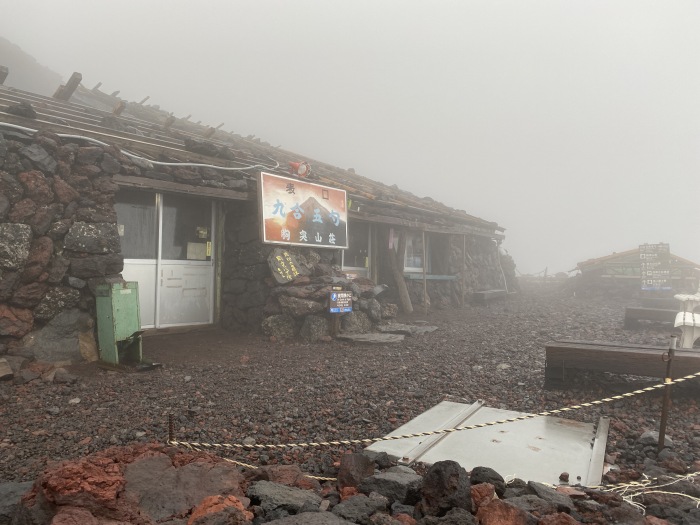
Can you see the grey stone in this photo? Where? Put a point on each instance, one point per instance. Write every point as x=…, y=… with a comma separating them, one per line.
x=651, y=438
x=299, y=307
x=89, y=154
x=76, y=283
x=40, y=157
x=6, y=372
x=373, y=309
x=397, y=486
x=165, y=491
x=55, y=301
x=96, y=266
x=273, y=496
x=110, y=164
x=4, y=206
x=10, y=494
x=356, y=322
x=16, y=362
x=279, y=326
x=562, y=502
x=59, y=340
x=314, y=328
x=377, y=339
x=311, y=518
x=488, y=475
x=11, y=187
x=358, y=509
x=15, y=241
x=389, y=310
x=98, y=238
x=531, y=503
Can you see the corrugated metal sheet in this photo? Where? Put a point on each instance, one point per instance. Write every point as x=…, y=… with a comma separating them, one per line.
x=537, y=449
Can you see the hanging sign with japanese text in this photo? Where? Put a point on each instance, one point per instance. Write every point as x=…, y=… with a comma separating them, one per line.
x=655, y=265
x=301, y=213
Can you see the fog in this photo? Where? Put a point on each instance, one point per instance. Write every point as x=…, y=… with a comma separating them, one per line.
x=574, y=124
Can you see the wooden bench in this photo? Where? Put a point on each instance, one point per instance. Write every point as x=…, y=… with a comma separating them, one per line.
x=564, y=358
x=634, y=314
x=487, y=296
x=689, y=324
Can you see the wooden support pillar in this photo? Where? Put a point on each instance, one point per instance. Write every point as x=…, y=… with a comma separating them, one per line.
x=425, y=276
x=220, y=126
x=97, y=87
x=144, y=100
x=464, y=268
x=396, y=261
x=4, y=71
x=64, y=93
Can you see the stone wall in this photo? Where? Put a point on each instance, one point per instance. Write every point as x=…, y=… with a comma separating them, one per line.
x=59, y=239
x=253, y=301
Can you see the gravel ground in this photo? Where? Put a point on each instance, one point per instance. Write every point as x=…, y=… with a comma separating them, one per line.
x=226, y=387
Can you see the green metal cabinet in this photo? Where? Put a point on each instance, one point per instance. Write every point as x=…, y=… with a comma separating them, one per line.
x=119, y=323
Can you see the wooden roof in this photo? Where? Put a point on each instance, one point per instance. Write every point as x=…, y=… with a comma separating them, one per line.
x=156, y=135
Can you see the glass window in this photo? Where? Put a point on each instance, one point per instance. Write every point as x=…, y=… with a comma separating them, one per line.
x=357, y=253
x=186, y=228
x=137, y=224
x=413, y=259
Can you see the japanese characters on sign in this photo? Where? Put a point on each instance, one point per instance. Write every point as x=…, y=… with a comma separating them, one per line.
x=655, y=265
x=283, y=266
x=297, y=212
x=340, y=302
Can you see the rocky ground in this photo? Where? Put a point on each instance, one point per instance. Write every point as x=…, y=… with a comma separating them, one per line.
x=224, y=387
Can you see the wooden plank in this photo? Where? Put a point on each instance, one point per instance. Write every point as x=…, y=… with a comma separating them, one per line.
x=564, y=357
x=633, y=314
x=486, y=296
x=177, y=187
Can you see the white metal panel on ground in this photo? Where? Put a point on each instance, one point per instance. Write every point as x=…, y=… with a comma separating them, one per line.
x=537, y=449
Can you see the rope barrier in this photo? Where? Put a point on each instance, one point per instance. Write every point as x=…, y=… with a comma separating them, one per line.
x=368, y=441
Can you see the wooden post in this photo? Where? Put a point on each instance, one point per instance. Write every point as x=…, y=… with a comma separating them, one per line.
x=667, y=392
x=66, y=92
x=425, y=278
x=4, y=71
x=97, y=87
x=144, y=100
x=464, y=267
x=396, y=262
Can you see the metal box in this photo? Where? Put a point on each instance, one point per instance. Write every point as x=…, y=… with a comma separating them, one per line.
x=119, y=323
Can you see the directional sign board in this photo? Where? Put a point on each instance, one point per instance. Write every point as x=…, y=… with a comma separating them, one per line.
x=655, y=265
x=340, y=302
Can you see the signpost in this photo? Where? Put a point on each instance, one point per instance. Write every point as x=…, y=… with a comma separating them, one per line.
x=339, y=302
x=655, y=265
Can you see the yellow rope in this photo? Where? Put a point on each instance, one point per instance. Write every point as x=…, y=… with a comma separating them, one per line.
x=367, y=441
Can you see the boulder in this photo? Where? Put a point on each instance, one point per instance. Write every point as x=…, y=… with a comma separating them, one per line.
x=39, y=157
x=15, y=322
x=389, y=310
x=59, y=340
x=15, y=241
x=279, y=326
x=65, y=194
x=445, y=485
x=280, y=499
x=299, y=307
x=372, y=308
x=96, y=266
x=37, y=186
x=29, y=295
x=353, y=469
x=97, y=238
x=358, y=509
x=10, y=187
x=396, y=486
x=55, y=301
x=488, y=475
x=314, y=328
x=356, y=322
x=10, y=494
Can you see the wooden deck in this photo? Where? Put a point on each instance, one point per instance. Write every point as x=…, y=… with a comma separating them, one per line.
x=564, y=358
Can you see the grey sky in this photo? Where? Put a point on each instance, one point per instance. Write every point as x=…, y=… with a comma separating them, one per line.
x=574, y=124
